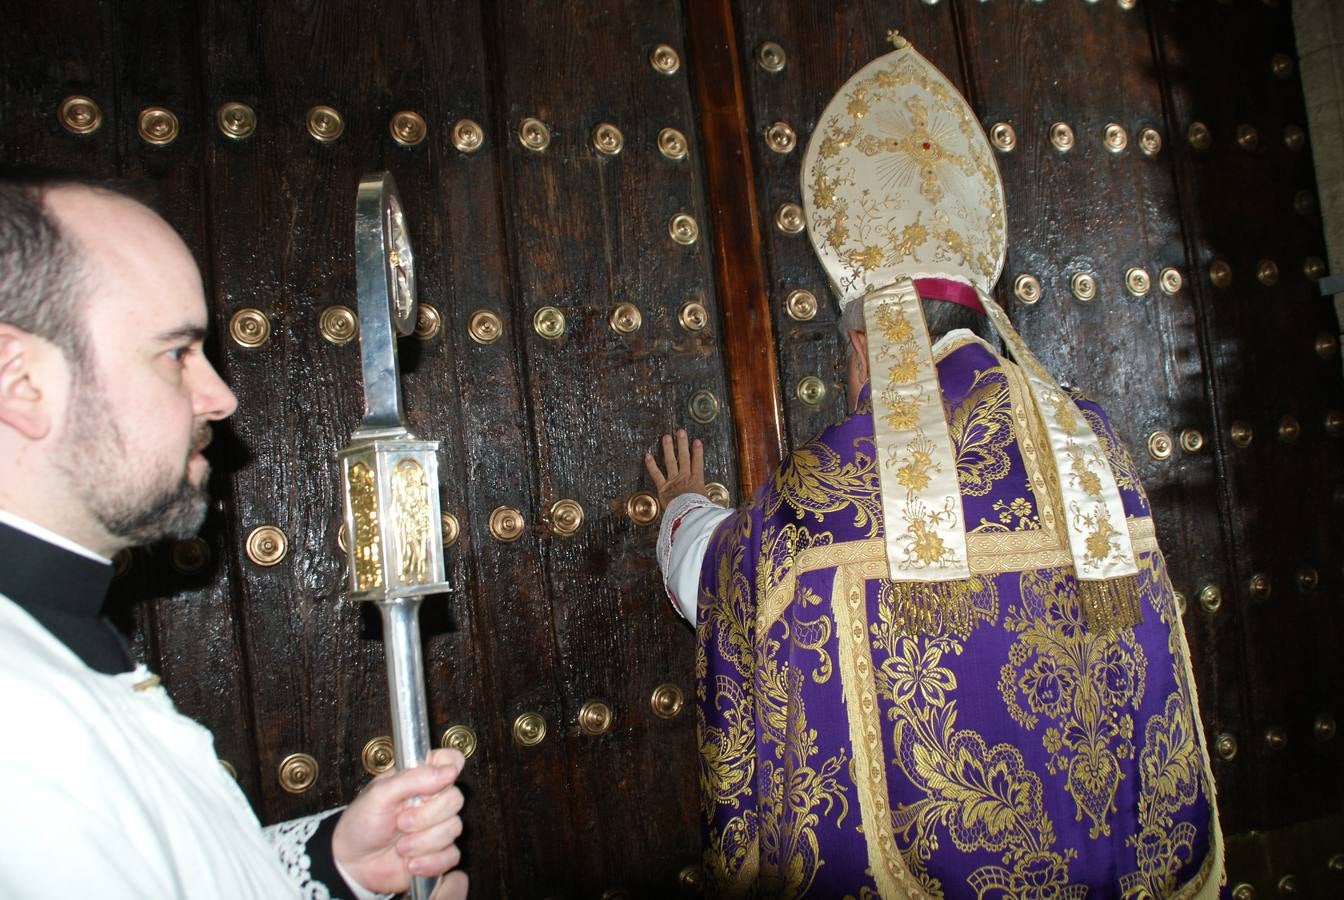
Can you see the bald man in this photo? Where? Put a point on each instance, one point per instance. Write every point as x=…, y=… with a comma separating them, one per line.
x=106, y=404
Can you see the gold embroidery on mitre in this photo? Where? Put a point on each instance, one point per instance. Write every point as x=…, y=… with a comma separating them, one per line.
x=899, y=178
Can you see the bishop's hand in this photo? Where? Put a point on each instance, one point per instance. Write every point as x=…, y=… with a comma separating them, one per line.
x=684, y=462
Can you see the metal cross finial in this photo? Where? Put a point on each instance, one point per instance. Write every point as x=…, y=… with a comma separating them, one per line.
x=385, y=282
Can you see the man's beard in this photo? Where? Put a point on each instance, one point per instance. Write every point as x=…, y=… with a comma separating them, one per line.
x=131, y=501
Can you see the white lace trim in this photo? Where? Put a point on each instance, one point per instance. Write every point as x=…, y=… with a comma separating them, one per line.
x=677, y=508
x=290, y=840
x=694, y=518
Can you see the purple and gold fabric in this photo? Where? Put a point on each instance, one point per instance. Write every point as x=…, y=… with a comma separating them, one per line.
x=863, y=738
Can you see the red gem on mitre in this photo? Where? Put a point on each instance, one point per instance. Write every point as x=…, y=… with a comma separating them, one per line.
x=926, y=145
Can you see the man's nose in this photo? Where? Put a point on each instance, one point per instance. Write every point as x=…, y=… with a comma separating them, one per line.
x=214, y=399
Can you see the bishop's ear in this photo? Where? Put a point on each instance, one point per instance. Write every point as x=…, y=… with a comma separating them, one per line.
x=858, y=359
x=25, y=367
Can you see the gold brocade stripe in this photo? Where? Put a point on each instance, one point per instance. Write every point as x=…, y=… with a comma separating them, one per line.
x=776, y=600
x=849, y=608
x=990, y=553
x=1032, y=440
x=1204, y=885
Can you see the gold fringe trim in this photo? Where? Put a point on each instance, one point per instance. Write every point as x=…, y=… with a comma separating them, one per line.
x=1111, y=604
x=932, y=607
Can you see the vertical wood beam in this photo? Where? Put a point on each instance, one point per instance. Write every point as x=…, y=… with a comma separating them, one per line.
x=739, y=269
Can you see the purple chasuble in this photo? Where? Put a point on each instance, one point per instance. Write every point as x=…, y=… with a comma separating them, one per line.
x=969, y=739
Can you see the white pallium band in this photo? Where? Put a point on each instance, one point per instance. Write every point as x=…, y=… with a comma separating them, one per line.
x=921, y=501
x=1093, y=512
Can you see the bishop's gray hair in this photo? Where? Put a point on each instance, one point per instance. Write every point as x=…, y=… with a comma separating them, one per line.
x=42, y=271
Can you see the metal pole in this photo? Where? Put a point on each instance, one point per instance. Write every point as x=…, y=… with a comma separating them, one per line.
x=405, y=676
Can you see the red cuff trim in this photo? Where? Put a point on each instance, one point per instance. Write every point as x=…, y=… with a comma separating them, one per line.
x=671, y=535
x=949, y=291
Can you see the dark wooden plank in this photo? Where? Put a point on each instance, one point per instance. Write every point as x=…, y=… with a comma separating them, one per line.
x=451, y=199
x=588, y=231
x=736, y=223
x=45, y=62
x=1239, y=206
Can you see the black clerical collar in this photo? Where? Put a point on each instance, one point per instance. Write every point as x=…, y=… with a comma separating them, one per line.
x=64, y=591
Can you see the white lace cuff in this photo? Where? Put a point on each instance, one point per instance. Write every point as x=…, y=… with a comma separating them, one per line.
x=683, y=539
x=291, y=839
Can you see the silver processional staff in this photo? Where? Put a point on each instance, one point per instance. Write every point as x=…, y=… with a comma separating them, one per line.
x=389, y=479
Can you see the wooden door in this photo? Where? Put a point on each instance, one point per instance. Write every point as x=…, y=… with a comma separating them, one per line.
x=678, y=283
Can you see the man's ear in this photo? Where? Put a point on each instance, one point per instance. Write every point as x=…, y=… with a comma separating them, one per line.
x=24, y=405
x=858, y=341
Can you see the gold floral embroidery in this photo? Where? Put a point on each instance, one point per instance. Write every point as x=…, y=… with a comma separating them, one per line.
x=858, y=104
x=799, y=795
x=1086, y=683
x=1169, y=780
x=1122, y=464
x=913, y=473
x=812, y=481
x=1061, y=406
x=903, y=244
x=1171, y=767
x=920, y=542
x=1082, y=469
x=1099, y=540
x=728, y=759
x=765, y=744
x=981, y=426
x=902, y=410
x=925, y=531
x=813, y=634
x=869, y=257
x=776, y=572
x=1100, y=531
x=1019, y=509
x=914, y=671
x=727, y=613
x=985, y=797
x=895, y=328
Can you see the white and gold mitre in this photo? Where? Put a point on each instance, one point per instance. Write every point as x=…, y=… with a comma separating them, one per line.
x=899, y=181
x=904, y=200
